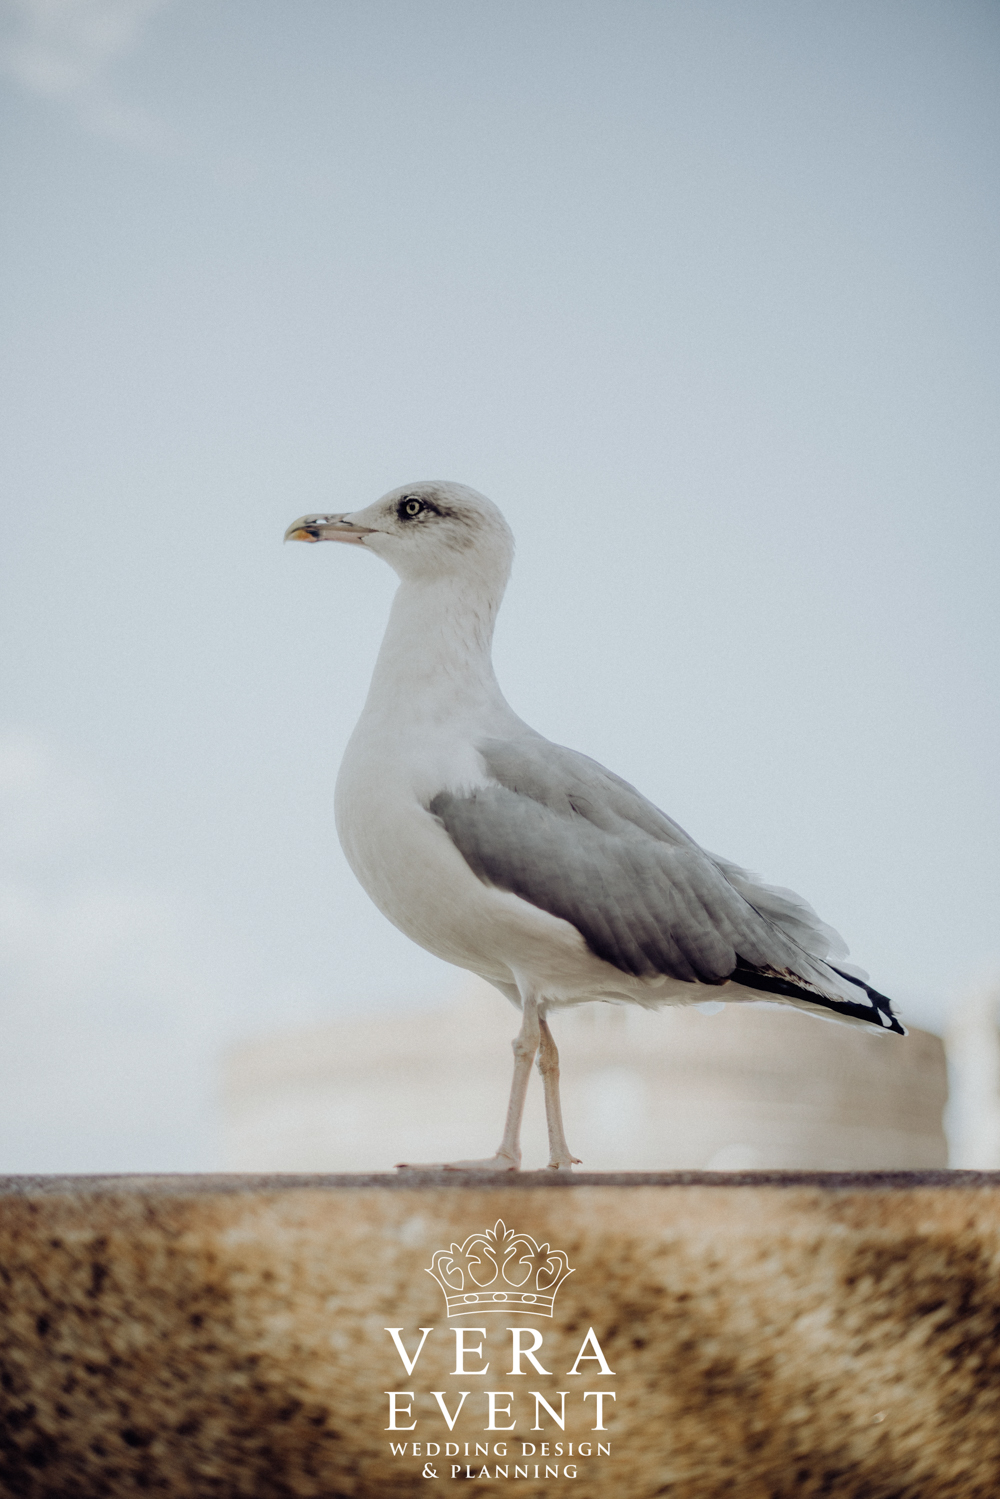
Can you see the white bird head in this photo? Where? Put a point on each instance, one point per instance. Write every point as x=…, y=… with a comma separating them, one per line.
x=424, y=531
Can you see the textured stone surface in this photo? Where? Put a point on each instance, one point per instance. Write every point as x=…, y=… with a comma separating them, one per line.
x=771, y=1335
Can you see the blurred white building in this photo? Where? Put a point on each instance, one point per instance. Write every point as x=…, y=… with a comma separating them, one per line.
x=748, y=1087
x=973, y=1043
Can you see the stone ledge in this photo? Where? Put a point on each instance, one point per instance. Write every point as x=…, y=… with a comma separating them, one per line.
x=783, y=1335
x=171, y=1183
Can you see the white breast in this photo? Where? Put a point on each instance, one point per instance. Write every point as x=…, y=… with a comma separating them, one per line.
x=433, y=698
x=411, y=869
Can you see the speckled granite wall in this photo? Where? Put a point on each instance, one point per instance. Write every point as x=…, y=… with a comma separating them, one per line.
x=770, y=1337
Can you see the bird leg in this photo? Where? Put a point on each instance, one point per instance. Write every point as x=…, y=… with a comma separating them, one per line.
x=508, y=1156
x=548, y=1066
x=524, y=1046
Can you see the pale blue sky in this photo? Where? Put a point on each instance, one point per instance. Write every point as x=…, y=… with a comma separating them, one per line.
x=704, y=295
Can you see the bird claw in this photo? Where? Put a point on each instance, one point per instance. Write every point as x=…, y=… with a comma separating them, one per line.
x=496, y=1162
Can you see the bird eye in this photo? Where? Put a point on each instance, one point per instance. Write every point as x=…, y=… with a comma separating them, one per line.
x=411, y=507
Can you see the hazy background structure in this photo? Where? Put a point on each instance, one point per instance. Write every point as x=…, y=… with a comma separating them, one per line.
x=703, y=296
x=745, y=1087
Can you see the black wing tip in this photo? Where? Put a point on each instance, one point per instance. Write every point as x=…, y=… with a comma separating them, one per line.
x=887, y=1018
x=877, y=1012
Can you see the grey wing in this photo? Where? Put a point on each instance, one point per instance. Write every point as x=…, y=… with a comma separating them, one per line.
x=575, y=840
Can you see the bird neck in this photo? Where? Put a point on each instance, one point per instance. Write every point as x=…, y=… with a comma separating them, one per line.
x=436, y=657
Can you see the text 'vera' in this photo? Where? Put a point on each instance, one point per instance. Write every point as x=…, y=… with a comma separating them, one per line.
x=463, y=1350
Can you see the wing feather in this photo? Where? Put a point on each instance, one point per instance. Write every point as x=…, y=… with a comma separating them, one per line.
x=557, y=829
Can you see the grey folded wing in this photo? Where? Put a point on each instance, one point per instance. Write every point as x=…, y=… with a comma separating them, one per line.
x=559, y=830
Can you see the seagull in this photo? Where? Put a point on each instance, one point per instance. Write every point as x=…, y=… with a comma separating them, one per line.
x=525, y=862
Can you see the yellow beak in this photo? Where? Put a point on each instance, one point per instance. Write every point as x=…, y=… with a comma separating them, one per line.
x=326, y=528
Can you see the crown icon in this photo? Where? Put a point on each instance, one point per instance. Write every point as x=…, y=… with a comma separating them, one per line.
x=498, y=1270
